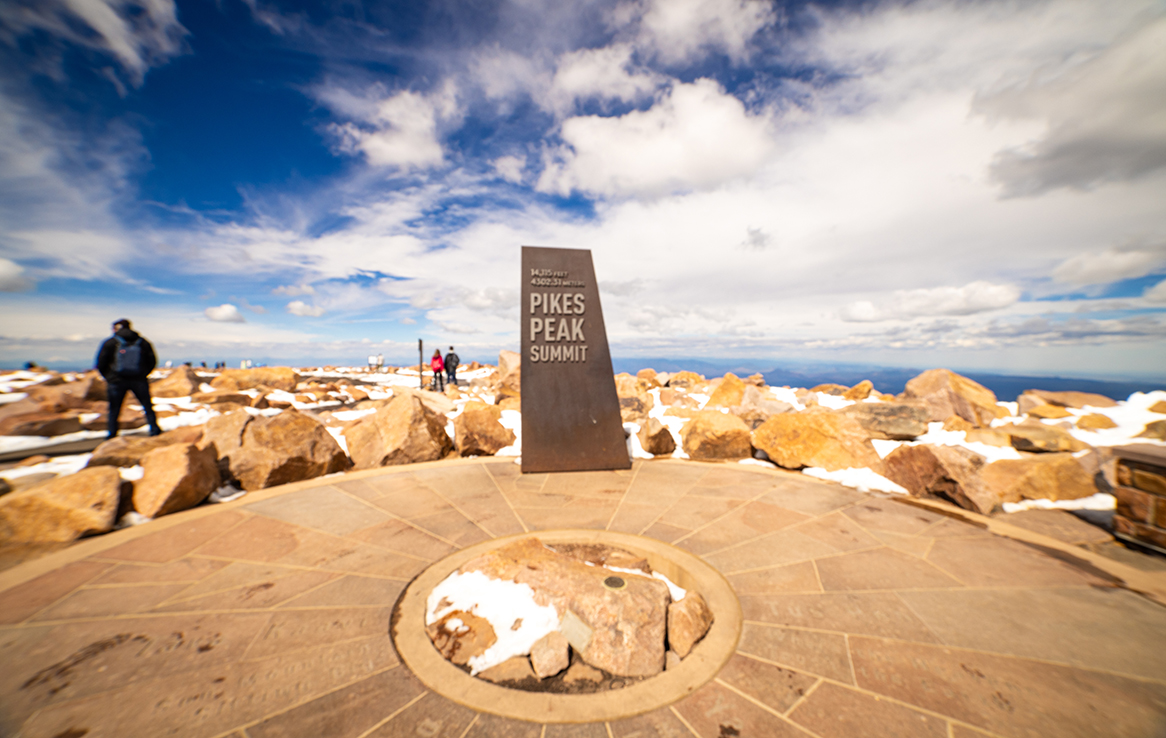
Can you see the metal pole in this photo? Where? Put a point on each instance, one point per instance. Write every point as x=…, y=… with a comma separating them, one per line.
x=420, y=363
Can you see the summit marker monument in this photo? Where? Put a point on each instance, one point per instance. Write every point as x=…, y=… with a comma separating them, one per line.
x=570, y=410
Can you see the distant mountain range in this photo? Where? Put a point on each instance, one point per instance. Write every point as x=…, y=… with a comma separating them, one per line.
x=886, y=379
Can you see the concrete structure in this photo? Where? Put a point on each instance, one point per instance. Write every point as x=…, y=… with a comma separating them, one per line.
x=863, y=615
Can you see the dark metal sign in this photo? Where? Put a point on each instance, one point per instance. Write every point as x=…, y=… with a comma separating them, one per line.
x=570, y=411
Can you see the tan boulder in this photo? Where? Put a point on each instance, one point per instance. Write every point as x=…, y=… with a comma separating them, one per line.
x=1038, y=437
x=1158, y=407
x=729, y=393
x=655, y=438
x=181, y=382
x=550, y=654
x=436, y=402
x=41, y=424
x=686, y=380
x=860, y=391
x=648, y=376
x=956, y=423
x=175, y=478
x=478, y=430
x=688, y=621
x=900, y=421
x=508, y=363
x=276, y=377
x=1049, y=412
x=1095, y=421
x=988, y=436
x=56, y=398
x=829, y=388
x=403, y=431
x=1157, y=430
x=677, y=398
x=757, y=380
x=711, y=435
x=1072, y=399
x=512, y=671
x=757, y=406
x=616, y=621
x=951, y=472
x=947, y=393
x=260, y=452
x=1056, y=476
x=817, y=438
x=221, y=397
x=62, y=508
x=130, y=450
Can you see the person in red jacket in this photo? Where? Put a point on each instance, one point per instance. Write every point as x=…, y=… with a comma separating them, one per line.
x=438, y=368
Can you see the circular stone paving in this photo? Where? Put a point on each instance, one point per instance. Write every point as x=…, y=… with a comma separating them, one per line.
x=861, y=615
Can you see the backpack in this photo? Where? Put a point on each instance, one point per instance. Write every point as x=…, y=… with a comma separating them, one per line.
x=451, y=361
x=127, y=362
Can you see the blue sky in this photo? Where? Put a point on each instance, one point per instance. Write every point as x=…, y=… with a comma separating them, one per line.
x=975, y=185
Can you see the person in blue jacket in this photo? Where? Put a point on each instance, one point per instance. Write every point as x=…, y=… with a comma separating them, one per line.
x=125, y=360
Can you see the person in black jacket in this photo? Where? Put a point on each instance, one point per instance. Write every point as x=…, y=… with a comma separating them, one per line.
x=125, y=360
x=451, y=362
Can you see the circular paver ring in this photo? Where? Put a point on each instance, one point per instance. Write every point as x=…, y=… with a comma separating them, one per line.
x=702, y=664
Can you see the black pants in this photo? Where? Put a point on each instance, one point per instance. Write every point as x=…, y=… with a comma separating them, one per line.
x=117, y=394
x=437, y=384
x=451, y=376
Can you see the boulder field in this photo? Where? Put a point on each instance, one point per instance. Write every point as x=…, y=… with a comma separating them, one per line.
x=273, y=425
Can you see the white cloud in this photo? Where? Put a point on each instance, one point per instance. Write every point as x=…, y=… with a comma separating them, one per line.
x=510, y=168
x=225, y=313
x=294, y=290
x=138, y=34
x=977, y=297
x=696, y=136
x=599, y=73
x=1106, y=117
x=12, y=277
x=401, y=130
x=679, y=30
x=1156, y=294
x=304, y=310
x=1107, y=266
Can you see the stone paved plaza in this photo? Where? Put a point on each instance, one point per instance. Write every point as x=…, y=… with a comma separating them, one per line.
x=863, y=615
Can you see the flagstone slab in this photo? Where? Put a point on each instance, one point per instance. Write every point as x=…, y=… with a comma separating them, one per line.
x=865, y=614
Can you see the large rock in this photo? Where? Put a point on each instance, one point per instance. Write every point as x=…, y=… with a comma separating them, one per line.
x=952, y=472
x=57, y=398
x=459, y=636
x=221, y=397
x=1095, y=421
x=509, y=376
x=1072, y=399
x=404, y=431
x=1037, y=436
x=181, y=382
x=634, y=400
x=757, y=406
x=686, y=380
x=175, y=478
x=947, y=393
x=130, y=450
x=655, y=438
x=63, y=508
x=478, y=430
x=860, y=391
x=550, y=654
x=275, y=377
x=818, y=438
x=259, y=452
x=1044, y=477
x=729, y=393
x=619, y=629
x=41, y=424
x=1156, y=429
x=688, y=621
x=899, y=421
x=712, y=435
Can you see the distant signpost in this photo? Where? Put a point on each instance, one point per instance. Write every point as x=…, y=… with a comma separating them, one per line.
x=570, y=410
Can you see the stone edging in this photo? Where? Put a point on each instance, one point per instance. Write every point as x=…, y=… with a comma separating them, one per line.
x=702, y=664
